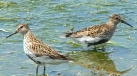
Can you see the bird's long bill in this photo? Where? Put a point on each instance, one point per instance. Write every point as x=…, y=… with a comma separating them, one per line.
x=11, y=34
x=122, y=21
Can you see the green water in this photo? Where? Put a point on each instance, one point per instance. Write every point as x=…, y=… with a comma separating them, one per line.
x=48, y=19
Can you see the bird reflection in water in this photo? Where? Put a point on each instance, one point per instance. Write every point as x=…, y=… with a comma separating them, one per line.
x=99, y=62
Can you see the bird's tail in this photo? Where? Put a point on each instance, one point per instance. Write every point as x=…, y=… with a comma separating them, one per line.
x=65, y=35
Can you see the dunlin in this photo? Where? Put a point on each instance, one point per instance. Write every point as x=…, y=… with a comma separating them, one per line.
x=98, y=34
x=37, y=51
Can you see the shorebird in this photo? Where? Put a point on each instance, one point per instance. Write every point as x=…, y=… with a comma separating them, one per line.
x=37, y=51
x=97, y=34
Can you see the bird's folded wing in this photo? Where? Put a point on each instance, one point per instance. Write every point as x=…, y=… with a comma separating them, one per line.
x=41, y=49
x=92, y=31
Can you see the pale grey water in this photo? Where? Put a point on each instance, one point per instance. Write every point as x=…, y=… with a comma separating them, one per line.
x=48, y=19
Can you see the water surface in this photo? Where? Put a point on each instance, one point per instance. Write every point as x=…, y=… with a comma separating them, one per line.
x=48, y=19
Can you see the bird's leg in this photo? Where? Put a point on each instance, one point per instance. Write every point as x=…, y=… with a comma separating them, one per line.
x=95, y=48
x=94, y=45
x=44, y=71
x=37, y=69
x=84, y=47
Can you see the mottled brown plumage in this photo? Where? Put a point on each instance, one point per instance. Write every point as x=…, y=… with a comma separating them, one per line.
x=37, y=51
x=90, y=31
x=40, y=49
x=97, y=34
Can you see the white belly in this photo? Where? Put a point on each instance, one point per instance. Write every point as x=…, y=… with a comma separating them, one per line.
x=86, y=39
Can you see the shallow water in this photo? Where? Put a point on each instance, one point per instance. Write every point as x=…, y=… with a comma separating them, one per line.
x=48, y=19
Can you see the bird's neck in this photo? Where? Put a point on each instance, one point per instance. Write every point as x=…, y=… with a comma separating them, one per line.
x=28, y=35
x=111, y=27
x=111, y=24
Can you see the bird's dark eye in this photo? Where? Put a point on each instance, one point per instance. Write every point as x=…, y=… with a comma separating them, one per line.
x=21, y=27
x=116, y=18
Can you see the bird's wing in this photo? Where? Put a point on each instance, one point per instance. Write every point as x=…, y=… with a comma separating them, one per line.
x=41, y=49
x=92, y=31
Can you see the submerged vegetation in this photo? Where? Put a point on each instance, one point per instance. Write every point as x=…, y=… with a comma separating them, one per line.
x=7, y=4
x=48, y=19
